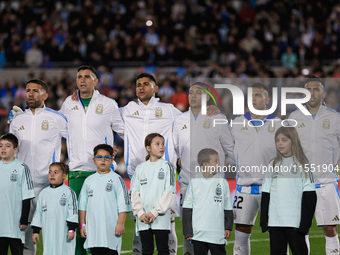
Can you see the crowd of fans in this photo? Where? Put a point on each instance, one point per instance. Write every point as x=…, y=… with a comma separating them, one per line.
x=290, y=33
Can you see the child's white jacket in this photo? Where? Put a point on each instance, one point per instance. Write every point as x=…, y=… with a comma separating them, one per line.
x=39, y=137
x=320, y=140
x=141, y=120
x=87, y=130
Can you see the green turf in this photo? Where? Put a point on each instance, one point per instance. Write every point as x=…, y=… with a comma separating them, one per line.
x=259, y=241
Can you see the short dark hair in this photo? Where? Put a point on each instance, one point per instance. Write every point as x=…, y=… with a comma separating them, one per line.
x=314, y=78
x=261, y=86
x=204, y=155
x=40, y=82
x=150, y=76
x=104, y=147
x=11, y=138
x=65, y=168
x=87, y=67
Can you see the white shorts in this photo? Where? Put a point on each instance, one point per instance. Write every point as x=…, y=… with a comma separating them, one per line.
x=246, y=207
x=328, y=204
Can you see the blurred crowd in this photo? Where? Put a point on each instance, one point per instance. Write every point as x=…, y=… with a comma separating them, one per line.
x=228, y=33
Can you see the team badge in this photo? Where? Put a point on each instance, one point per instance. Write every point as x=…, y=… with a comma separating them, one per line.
x=271, y=128
x=62, y=200
x=99, y=109
x=158, y=112
x=90, y=194
x=161, y=174
x=109, y=186
x=218, y=190
x=44, y=125
x=218, y=194
x=14, y=176
x=326, y=124
x=207, y=124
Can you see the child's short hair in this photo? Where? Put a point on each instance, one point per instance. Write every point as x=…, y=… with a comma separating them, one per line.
x=11, y=138
x=104, y=147
x=62, y=166
x=204, y=155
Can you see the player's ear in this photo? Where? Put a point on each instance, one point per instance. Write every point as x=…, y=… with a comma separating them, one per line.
x=15, y=150
x=64, y=176
x=45, y=96
x=155, y=89
x=148, y=148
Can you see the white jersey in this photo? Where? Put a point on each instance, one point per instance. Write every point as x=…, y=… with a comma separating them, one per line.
x=208, y=198
x=254, y=148
x=320, y=140
x=39, y=137
x=286, y=188
x=15, y=186
x=202, y=134
x=141, y=120
x=88, y=129
x=56, y=207
x=103, y=197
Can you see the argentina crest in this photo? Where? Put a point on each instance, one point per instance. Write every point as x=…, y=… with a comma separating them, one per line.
x=14, y=176
x=109, y=186
x=44, y=125
x=161, y=174
x=62, y=200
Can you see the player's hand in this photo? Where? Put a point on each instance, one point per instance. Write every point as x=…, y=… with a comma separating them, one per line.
x=188, y=238
x=75, y=96
x=151, y=217
x=144, y=218
x=227, y=233
x=115, y=151
x=70, y=235
x=22, y=226
x=212, y=110
x=13, y=113
x=120, y=229
x=35, y=237
x=83, y=231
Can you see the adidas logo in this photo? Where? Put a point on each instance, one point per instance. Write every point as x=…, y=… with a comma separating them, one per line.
x=336, y=218
x=136, y=113
x=75, y=108
x=184, y=127
x=336, y=251
x=302, y=125
x=21, y=128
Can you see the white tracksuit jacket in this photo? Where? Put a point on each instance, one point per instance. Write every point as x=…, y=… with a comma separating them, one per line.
x=87, y=130
x=320, y=139
x=202, y=134
x=39, y=137
x=253, y=149
x=141, y=120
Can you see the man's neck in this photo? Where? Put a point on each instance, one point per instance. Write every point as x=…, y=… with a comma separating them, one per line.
x=86, y=95
x=314, y=110
x=257, y=117
x=33, y=109
x=196, y=111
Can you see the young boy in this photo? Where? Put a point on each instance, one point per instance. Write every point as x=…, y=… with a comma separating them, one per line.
x=16, y=191
x=56, y=214
x=207, y=210
x=103, y=204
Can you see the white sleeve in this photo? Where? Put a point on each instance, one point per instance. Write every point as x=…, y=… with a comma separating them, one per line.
x=164, y=203
x=175, y=139
x=227, y=142
x=117, y=123
x=136, y=204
